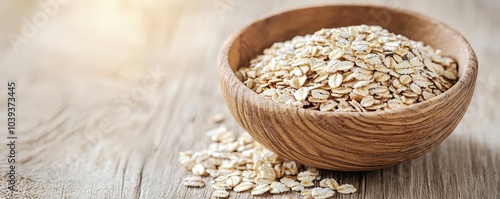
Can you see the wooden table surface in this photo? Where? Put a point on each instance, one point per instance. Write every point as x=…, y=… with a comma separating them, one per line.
x=109, y=92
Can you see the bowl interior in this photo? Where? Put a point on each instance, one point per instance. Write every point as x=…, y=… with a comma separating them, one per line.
x=284, y=26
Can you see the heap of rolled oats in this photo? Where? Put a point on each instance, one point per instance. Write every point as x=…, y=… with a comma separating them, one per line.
x=357, y=68
x=240, y=164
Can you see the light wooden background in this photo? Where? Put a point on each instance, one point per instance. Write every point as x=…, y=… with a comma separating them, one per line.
x=94, y=123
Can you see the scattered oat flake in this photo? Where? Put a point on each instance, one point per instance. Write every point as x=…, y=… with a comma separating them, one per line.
x=244, y=186
x=307, y=183
x=298, y=188
x=346, y=189
x=198, y=170
x=238, y=163
x=289, y=182
x=220, y=193
x=344, y=64
x=260, y=189
x=218, y=118
x=321, y=193
x=233, y=181
x=278, y=187
x=330, y=183
x=306, y=192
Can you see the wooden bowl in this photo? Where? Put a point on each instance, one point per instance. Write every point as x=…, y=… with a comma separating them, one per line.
x=351, y=141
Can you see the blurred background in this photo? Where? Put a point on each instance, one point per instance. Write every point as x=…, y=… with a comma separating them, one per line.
x=110, y=91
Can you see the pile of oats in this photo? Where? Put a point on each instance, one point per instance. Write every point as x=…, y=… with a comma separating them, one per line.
x=240, y=164
x=356, y=68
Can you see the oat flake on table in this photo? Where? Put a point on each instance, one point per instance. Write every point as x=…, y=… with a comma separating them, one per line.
x=237, y=163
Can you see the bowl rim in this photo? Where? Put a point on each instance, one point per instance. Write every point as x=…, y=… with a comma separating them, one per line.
x=468, y=77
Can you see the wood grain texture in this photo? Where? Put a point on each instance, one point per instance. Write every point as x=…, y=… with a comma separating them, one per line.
x=346, y=141
x=80, y=69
